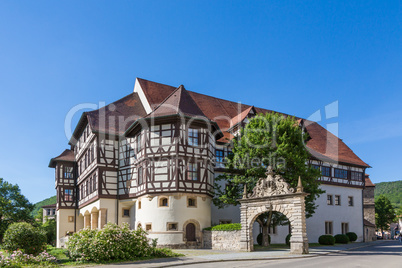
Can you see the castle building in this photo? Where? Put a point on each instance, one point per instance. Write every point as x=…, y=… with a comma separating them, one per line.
x=150, y=159
x=369, y=210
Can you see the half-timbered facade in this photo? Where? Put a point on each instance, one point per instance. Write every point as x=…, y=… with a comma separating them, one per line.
x=150, y=159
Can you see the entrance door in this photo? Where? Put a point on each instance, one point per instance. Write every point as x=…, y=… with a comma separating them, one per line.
x=190, y=232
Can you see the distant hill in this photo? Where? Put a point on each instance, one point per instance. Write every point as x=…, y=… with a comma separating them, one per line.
x=392, y=190
x=48, y=201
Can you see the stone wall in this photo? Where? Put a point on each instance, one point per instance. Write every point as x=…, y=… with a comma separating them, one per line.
x=221, y=240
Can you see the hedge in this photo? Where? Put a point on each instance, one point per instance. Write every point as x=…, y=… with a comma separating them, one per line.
x=326, y=240
x=287, y=239
x=341, y=238
x=225, y=227
x=352, y=236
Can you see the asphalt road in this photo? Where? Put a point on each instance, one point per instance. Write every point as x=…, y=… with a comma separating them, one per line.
x=388, y=254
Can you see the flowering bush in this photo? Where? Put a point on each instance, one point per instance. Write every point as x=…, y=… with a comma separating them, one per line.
x=19, y=259
x=24, y=236
x=113, y=242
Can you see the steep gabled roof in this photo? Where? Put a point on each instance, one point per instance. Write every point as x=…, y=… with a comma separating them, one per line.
x=155, y=92
x=240, y=117
x=66, y=156
x=323, y=144
x=113, y=119
x=368, y=182
x=178, y=102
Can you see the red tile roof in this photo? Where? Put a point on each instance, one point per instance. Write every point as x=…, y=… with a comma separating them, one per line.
x=367, y=223
x=323, y=144
x=67, y=156
x=240, y=117
x=368, y=182
x=178, y=102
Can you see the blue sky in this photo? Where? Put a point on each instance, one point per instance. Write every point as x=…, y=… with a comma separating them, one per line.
x=290, y=56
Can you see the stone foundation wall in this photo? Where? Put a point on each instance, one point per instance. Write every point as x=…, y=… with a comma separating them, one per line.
x=221, y=240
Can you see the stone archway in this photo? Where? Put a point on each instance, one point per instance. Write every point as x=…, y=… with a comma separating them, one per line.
x=274, y=194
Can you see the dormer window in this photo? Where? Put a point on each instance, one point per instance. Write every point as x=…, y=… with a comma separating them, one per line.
x=193, y=135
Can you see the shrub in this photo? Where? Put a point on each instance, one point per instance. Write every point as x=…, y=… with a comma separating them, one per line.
x=227, y=227
x=113, y=242
x=287, y=239
x=49, y=227
x=326, y=240
x=352, y=236
x=18, y=258
x=24, y=236
x=259, y=239
x=341, y=238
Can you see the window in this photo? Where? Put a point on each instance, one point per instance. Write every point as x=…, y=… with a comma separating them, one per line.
x=316, y=167
x=350, y=201
x=356, y=176
x=337, y=200
x=326, y=171
x=94, y=181
x=68, y=195
x=70, y=218
x=54, y=211
x=219, y=158
x=90, y=185
x=126, y=212
x=225, y=221
x=191, y=202
x=148, y=227
x=139, y=204
x=193, y=137
x=192, y=171
x=172, y=226
x=340, y=173
x=329, y=200
x=139, y=143
x=139, y=226
x=345, y=227
x=68, y=172
x=48, y=212
x=139, y=175
x=163, y=202
x=328, y=228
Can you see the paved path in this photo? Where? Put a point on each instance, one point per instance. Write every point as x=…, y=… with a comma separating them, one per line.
x=208, y=258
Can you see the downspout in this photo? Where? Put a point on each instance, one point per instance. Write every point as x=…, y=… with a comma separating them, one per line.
x=118, y=182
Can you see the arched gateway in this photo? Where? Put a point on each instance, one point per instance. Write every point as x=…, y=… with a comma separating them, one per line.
x=274, y=194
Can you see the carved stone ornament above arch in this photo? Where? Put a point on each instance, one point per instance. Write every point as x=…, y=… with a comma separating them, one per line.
x=271, y=185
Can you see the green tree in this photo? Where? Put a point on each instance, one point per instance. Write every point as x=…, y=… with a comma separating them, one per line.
x=384, y=213
x=270, y=139
x=14, y=207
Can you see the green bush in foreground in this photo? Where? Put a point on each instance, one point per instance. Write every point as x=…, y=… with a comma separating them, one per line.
x=341, y=238
x=25, y=237
x=259, y=239
x=112, y=243
x=287, y=239
x=352, y=236
x=326, y=240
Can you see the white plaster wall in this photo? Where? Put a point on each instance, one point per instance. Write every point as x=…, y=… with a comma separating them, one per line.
x=228, y=213
x=337, y=214
x=109, y=204
x=63, y=225
x=176, y=212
